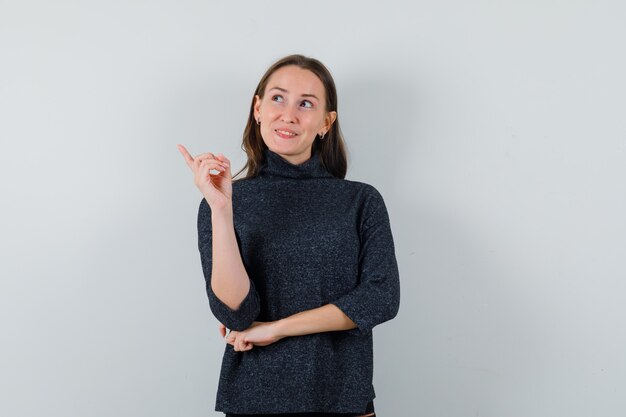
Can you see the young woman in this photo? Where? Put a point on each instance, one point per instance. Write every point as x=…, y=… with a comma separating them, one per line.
x=299, y=262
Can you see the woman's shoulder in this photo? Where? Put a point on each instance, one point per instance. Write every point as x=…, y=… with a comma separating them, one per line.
x=361, y=185
x=366, y=190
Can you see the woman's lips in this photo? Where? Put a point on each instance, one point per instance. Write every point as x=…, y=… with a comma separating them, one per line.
x=285, y=134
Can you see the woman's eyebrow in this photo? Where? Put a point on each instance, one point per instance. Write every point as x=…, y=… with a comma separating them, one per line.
x=285, y=91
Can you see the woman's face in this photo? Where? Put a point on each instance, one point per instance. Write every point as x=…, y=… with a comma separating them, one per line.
x=292, y=112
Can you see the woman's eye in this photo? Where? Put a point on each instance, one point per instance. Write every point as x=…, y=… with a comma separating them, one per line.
x=308, y=104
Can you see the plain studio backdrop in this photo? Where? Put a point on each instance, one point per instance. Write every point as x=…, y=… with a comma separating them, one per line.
x=495, y=131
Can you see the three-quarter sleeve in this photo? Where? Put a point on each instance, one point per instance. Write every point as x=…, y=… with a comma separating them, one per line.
x=242, y=317
x=376, y=298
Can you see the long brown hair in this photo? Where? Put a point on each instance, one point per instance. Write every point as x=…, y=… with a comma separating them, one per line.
x=331, y=149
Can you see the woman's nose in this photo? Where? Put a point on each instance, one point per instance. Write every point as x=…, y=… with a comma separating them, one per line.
x=289, y=115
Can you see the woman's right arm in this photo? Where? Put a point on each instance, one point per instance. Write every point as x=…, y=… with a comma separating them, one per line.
x=230, y=280
x=232, y=295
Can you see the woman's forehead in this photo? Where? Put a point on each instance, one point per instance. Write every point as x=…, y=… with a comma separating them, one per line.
x=296, y=80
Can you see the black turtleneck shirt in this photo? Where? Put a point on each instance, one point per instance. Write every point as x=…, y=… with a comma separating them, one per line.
x=306, y=239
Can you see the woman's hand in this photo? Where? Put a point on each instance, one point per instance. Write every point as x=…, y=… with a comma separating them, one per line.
x=216, y=188
x=259, y=333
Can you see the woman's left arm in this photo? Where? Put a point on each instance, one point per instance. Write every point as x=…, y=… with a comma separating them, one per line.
x=326, y=318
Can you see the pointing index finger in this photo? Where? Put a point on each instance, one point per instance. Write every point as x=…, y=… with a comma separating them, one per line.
x=186, y=155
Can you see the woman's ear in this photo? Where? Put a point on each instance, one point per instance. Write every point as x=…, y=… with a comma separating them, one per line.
x=330, y=119
x=257, y=106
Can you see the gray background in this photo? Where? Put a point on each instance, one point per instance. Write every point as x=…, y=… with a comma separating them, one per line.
x=494, y=130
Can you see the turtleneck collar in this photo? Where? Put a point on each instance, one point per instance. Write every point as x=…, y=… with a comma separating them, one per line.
x=275, y=165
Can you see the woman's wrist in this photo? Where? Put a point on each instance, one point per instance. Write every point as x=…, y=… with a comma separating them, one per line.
x=280, y=328
x=222, y=213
